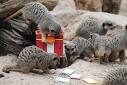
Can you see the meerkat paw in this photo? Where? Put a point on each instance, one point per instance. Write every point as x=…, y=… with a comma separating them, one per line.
x=122, y=62
x=44, y=40
x=6, y=69
x=52, y=71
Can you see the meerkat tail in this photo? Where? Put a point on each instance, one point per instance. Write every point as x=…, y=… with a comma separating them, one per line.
x=13, y=15
x=7, y=69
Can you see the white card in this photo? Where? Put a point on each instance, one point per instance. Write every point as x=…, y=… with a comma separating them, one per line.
x=68, y=71
x=90, y=81
x=76, y=76
x=63, y=80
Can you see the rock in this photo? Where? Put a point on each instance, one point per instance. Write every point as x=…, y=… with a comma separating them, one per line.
x=50, y=4
x=91, y=5
x=123, y=9
x=64, y=5
x=111, y=6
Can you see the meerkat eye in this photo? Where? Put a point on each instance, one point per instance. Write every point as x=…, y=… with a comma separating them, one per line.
x=52, y=31
x=67, y=49
x=72, y=49
x=109, y=24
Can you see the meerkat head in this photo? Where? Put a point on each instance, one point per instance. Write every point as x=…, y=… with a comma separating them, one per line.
x=108, y=25
x=55, y=61
x=70, y=48
x=53, y=26
x=55, y=29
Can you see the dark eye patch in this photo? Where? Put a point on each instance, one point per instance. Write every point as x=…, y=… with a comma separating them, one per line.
x=72, y=49
x=109, y=24
x=52, y=31
x=55, y=59
x=67, y=49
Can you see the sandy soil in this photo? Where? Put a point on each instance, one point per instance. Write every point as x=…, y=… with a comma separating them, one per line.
x=89, y=70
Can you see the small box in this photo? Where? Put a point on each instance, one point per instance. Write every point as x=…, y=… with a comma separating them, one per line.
x=53, y=45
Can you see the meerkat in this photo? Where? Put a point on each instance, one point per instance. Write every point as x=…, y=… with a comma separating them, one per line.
x=92, y=24
x=116, y=77
x=39, y=14
x=100, y=44
x=78, y=48
x=31, y=58
x=110, y=48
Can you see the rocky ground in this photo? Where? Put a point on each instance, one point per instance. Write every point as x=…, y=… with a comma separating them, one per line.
x=88, y=70
x=69, y=18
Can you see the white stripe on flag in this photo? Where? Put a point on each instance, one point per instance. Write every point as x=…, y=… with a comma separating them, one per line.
x=50, y=47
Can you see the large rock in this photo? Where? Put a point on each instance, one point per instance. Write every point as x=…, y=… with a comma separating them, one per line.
x=91, y=5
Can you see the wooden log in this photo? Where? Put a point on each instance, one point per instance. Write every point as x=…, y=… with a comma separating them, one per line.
x=15, y=36
x=11, y=6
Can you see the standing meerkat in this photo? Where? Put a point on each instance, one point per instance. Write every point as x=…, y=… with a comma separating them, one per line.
x=116, y=77
x=39, y=14
x=110, y=48
x=33, y=57
x=79, y=48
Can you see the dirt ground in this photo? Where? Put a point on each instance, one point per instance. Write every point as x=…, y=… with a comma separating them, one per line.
x=88, y=70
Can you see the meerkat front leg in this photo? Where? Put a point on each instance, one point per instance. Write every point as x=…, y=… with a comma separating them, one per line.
x=122, y=56
x=46, y=69
x=43, y=33
x=106, y=58
x=43, y=37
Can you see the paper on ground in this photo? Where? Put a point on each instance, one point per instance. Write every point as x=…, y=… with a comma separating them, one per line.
x=76, y=76
x=68, y=71
x=90, y=81
x=63, y=80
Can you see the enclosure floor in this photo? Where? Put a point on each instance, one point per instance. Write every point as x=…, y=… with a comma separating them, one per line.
x=89, y=70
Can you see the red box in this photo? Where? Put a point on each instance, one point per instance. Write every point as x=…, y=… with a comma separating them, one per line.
x=54, y=45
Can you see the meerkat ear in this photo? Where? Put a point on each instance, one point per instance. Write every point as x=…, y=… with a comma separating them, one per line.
x=66, y=42
x=65, y=46
x=91, y=35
